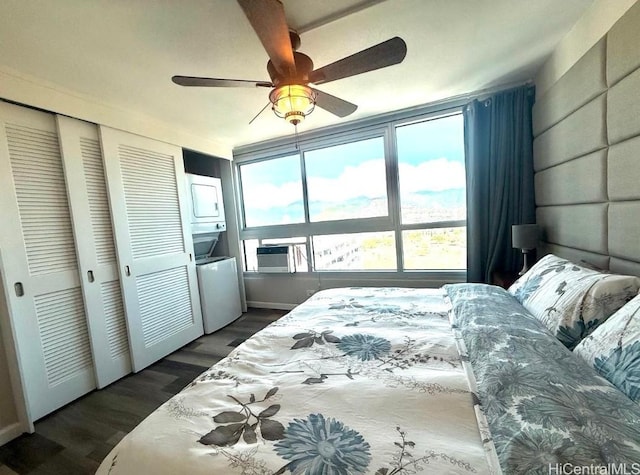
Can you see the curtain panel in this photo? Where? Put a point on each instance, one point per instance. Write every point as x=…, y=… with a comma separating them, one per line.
x=498, y=142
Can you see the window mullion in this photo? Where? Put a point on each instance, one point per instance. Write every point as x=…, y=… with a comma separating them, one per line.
x=305, y=188
x=305, y=200
x=393, y=191
x=240, y=197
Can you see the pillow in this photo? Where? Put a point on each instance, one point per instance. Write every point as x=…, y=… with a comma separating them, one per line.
x=613, y=349
x=571, y=300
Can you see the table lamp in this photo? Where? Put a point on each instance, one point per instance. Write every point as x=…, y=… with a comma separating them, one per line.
x=525, y=237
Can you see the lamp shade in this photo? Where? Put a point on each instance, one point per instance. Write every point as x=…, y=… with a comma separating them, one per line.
x=525, y=236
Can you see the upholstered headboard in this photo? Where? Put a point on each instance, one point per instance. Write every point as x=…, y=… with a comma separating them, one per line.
x=587, y=154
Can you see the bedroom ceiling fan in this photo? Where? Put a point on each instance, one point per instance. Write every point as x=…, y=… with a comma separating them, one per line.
x=291, y=72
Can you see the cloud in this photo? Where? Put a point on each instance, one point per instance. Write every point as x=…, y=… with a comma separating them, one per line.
x=265, y=195
x=365, y=180
x=435, y=175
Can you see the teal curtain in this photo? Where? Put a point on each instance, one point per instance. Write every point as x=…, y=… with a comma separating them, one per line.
x=498, y=144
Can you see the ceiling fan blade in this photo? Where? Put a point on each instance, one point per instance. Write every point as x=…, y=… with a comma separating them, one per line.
x=268, y=20
x=334, y=104
x=379, y=56
x=213, y=82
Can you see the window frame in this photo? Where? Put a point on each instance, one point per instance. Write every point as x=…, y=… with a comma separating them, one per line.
x=384, y=127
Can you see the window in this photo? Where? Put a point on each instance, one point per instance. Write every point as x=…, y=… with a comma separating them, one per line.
x=272, y=192
x=431, y=170
x=444, y=248
x=347, y=181
x=355, y=252
x=387, y=198
x=251, y=254
x=432, y=191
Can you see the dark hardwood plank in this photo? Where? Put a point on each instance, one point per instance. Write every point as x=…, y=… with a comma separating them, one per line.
x=77, y=437
x=4, y=470
x=27, y=452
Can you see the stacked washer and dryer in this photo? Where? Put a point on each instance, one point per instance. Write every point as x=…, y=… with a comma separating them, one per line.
x=217, y=275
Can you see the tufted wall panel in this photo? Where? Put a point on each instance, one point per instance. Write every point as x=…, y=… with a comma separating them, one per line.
x=583, y=180
x=587, y=154
x=585, y=81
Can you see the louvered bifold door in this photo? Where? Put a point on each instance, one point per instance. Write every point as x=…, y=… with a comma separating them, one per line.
x=147, y=191
x=39, y=261
x=84, y=171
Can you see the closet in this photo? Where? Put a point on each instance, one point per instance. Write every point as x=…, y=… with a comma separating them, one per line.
x=96, y=260
x=155, y=250
x=95, y=248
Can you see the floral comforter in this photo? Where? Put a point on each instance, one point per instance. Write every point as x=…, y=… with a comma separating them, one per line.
x=353, y=381
x=548, y=410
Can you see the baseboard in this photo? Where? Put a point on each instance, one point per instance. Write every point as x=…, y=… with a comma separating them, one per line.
x=11, y=432
x=273, y=305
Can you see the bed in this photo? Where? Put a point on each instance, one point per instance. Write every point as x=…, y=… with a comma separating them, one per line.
x=462, y=379
x=543, y=378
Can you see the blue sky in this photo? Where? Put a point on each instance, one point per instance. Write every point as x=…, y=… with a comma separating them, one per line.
x=277, y=172
x=431, y=140
x=331, y=162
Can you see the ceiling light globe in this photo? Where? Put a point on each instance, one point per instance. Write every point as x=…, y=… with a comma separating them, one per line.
x=293, y=102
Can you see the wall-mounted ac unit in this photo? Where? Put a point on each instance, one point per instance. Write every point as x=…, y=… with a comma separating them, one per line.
x=277, y=259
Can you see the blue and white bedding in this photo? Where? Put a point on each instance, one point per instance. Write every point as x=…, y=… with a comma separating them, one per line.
x=545, y=406
x=371, y=380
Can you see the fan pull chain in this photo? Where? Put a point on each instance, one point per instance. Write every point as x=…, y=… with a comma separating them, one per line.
x=295, y=126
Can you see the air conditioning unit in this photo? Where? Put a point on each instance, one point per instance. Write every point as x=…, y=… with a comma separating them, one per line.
x=276, y=259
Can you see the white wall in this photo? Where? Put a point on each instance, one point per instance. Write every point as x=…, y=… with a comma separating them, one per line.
x=232, y=235
x=24, y=89
x=593, y=25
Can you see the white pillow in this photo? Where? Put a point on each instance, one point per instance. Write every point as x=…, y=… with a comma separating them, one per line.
x=571, y=300
x=613, y=349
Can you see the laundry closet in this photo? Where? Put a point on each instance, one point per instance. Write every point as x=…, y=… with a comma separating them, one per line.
x=96, y=260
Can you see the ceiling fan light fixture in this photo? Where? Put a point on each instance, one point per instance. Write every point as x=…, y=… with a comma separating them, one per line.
x=293, y=102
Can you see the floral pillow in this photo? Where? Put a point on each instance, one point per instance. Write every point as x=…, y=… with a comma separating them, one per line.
x=613, y=349
x=572, y=300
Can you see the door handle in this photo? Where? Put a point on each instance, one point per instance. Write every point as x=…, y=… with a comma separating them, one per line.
x=19, y=289
x=127, y=271
x=90, y=276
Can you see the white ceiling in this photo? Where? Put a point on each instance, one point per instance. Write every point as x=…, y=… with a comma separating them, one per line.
x=124, y=52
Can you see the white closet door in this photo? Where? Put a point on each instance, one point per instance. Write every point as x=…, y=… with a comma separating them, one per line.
x=147, y=192
x=42, y=284
x=84, y=172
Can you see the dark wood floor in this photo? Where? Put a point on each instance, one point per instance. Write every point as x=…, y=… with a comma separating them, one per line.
x=76, y=438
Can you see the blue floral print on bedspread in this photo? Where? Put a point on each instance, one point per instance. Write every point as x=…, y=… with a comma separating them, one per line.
x=544, y=405
x=323, y=445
